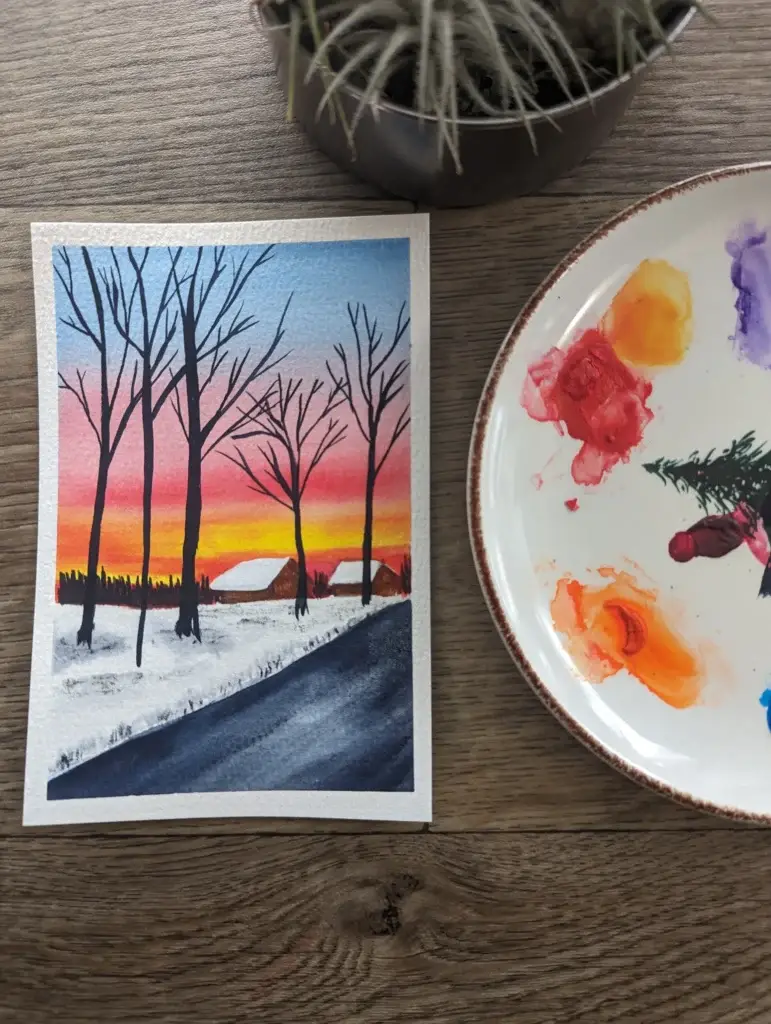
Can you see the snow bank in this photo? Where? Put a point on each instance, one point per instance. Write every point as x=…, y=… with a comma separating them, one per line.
x=99, y=698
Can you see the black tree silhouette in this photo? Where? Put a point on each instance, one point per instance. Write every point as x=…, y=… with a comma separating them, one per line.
x=116, y=406
x=377, y=380
x=149, y=334
x=299, y=430
x=210, y=321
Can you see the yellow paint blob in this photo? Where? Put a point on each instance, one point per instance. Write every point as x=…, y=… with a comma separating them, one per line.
x=617, y=625
x=650, y=321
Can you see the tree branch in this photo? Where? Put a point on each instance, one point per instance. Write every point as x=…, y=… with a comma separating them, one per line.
x=176, y=404
x=388, y=391
x=239, y=382
x=240, y=278
x=80, y=395
x=354, y=318
x=116, y=299
x=134, y=396
x=258, y=484
x=69, y=288
x=399, y=427
x=343, y=384
x=333, y=435
x=398, y=335
x=244, y=417
x=332, y=403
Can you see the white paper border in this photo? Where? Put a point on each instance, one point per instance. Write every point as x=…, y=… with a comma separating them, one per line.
x=414, y=806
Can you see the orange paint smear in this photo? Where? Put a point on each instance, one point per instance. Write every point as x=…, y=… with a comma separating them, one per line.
x=650, y=321
x=619, y=625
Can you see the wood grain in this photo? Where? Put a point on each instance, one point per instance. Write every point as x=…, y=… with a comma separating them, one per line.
x=590, y=929
x=551, y=890
x=501, y=761
x=132, y=100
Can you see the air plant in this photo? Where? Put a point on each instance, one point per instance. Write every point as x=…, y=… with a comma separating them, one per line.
x=448, y=59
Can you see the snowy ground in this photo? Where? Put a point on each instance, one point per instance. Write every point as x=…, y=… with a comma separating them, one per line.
x=99, y=698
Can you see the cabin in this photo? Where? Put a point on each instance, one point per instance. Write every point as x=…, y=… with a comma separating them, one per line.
x=259, y=579
x=345, y=581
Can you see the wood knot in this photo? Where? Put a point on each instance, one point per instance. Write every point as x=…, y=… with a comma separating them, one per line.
x=395, y=893
x=378, y=908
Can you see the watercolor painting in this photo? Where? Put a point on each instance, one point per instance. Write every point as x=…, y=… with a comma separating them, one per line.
x=235, y=601
x=597, y=390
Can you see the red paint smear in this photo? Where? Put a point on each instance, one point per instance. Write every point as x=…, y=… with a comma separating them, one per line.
x=572, y=504
x=593, y=397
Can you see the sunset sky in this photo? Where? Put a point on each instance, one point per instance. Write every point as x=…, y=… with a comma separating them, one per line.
x=237, y=523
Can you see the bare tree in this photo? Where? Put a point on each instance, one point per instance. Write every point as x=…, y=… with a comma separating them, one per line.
x=371, y=379
x=116, y=406
x=149, y=334
x=299, y=430
x=210, y=321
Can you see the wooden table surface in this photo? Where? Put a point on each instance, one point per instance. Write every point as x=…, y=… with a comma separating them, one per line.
x=548, y=888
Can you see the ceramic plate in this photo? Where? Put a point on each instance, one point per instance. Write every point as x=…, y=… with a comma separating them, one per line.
x=620, y=492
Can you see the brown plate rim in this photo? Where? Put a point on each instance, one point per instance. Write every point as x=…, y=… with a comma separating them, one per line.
x=478, y=437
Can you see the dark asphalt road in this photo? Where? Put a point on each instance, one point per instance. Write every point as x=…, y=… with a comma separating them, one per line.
x=338, y=719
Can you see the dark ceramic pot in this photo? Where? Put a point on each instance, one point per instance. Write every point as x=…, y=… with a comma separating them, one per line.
x=399, y=152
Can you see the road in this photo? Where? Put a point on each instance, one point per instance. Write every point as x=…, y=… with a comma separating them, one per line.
x=339, y=718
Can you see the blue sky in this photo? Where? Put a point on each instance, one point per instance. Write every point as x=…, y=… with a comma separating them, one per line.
x=322, y=275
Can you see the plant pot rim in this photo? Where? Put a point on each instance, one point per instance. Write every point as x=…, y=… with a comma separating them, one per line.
x=272, y=24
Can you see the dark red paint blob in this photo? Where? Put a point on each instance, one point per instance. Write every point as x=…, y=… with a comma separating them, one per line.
x=711, y=537
x=682, y=547
x=595, y=398
x=572, y=504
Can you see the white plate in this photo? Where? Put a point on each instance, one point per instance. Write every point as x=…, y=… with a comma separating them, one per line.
x=648, y=639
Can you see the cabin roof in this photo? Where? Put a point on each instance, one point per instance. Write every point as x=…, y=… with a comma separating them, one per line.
x=348, y=573
x=254, y=574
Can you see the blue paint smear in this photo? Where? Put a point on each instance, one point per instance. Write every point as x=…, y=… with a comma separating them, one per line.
x=765, y=701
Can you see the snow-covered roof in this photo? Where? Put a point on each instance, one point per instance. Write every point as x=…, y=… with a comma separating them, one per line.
x=352, y=572
x=255, y=574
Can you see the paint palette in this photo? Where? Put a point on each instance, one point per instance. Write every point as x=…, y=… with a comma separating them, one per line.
x=620, y=492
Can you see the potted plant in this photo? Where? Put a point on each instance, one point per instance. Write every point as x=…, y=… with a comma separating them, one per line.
x=463, y=102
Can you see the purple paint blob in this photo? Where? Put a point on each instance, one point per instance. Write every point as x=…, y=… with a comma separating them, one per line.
x=751, y=276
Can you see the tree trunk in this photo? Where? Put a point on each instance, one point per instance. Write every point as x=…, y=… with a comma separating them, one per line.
x=148, y=437
x=301, y=600
x=366, y=547
x=187, y=623
x=86, y=631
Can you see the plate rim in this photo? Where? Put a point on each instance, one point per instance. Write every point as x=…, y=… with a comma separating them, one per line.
x=474, y=503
